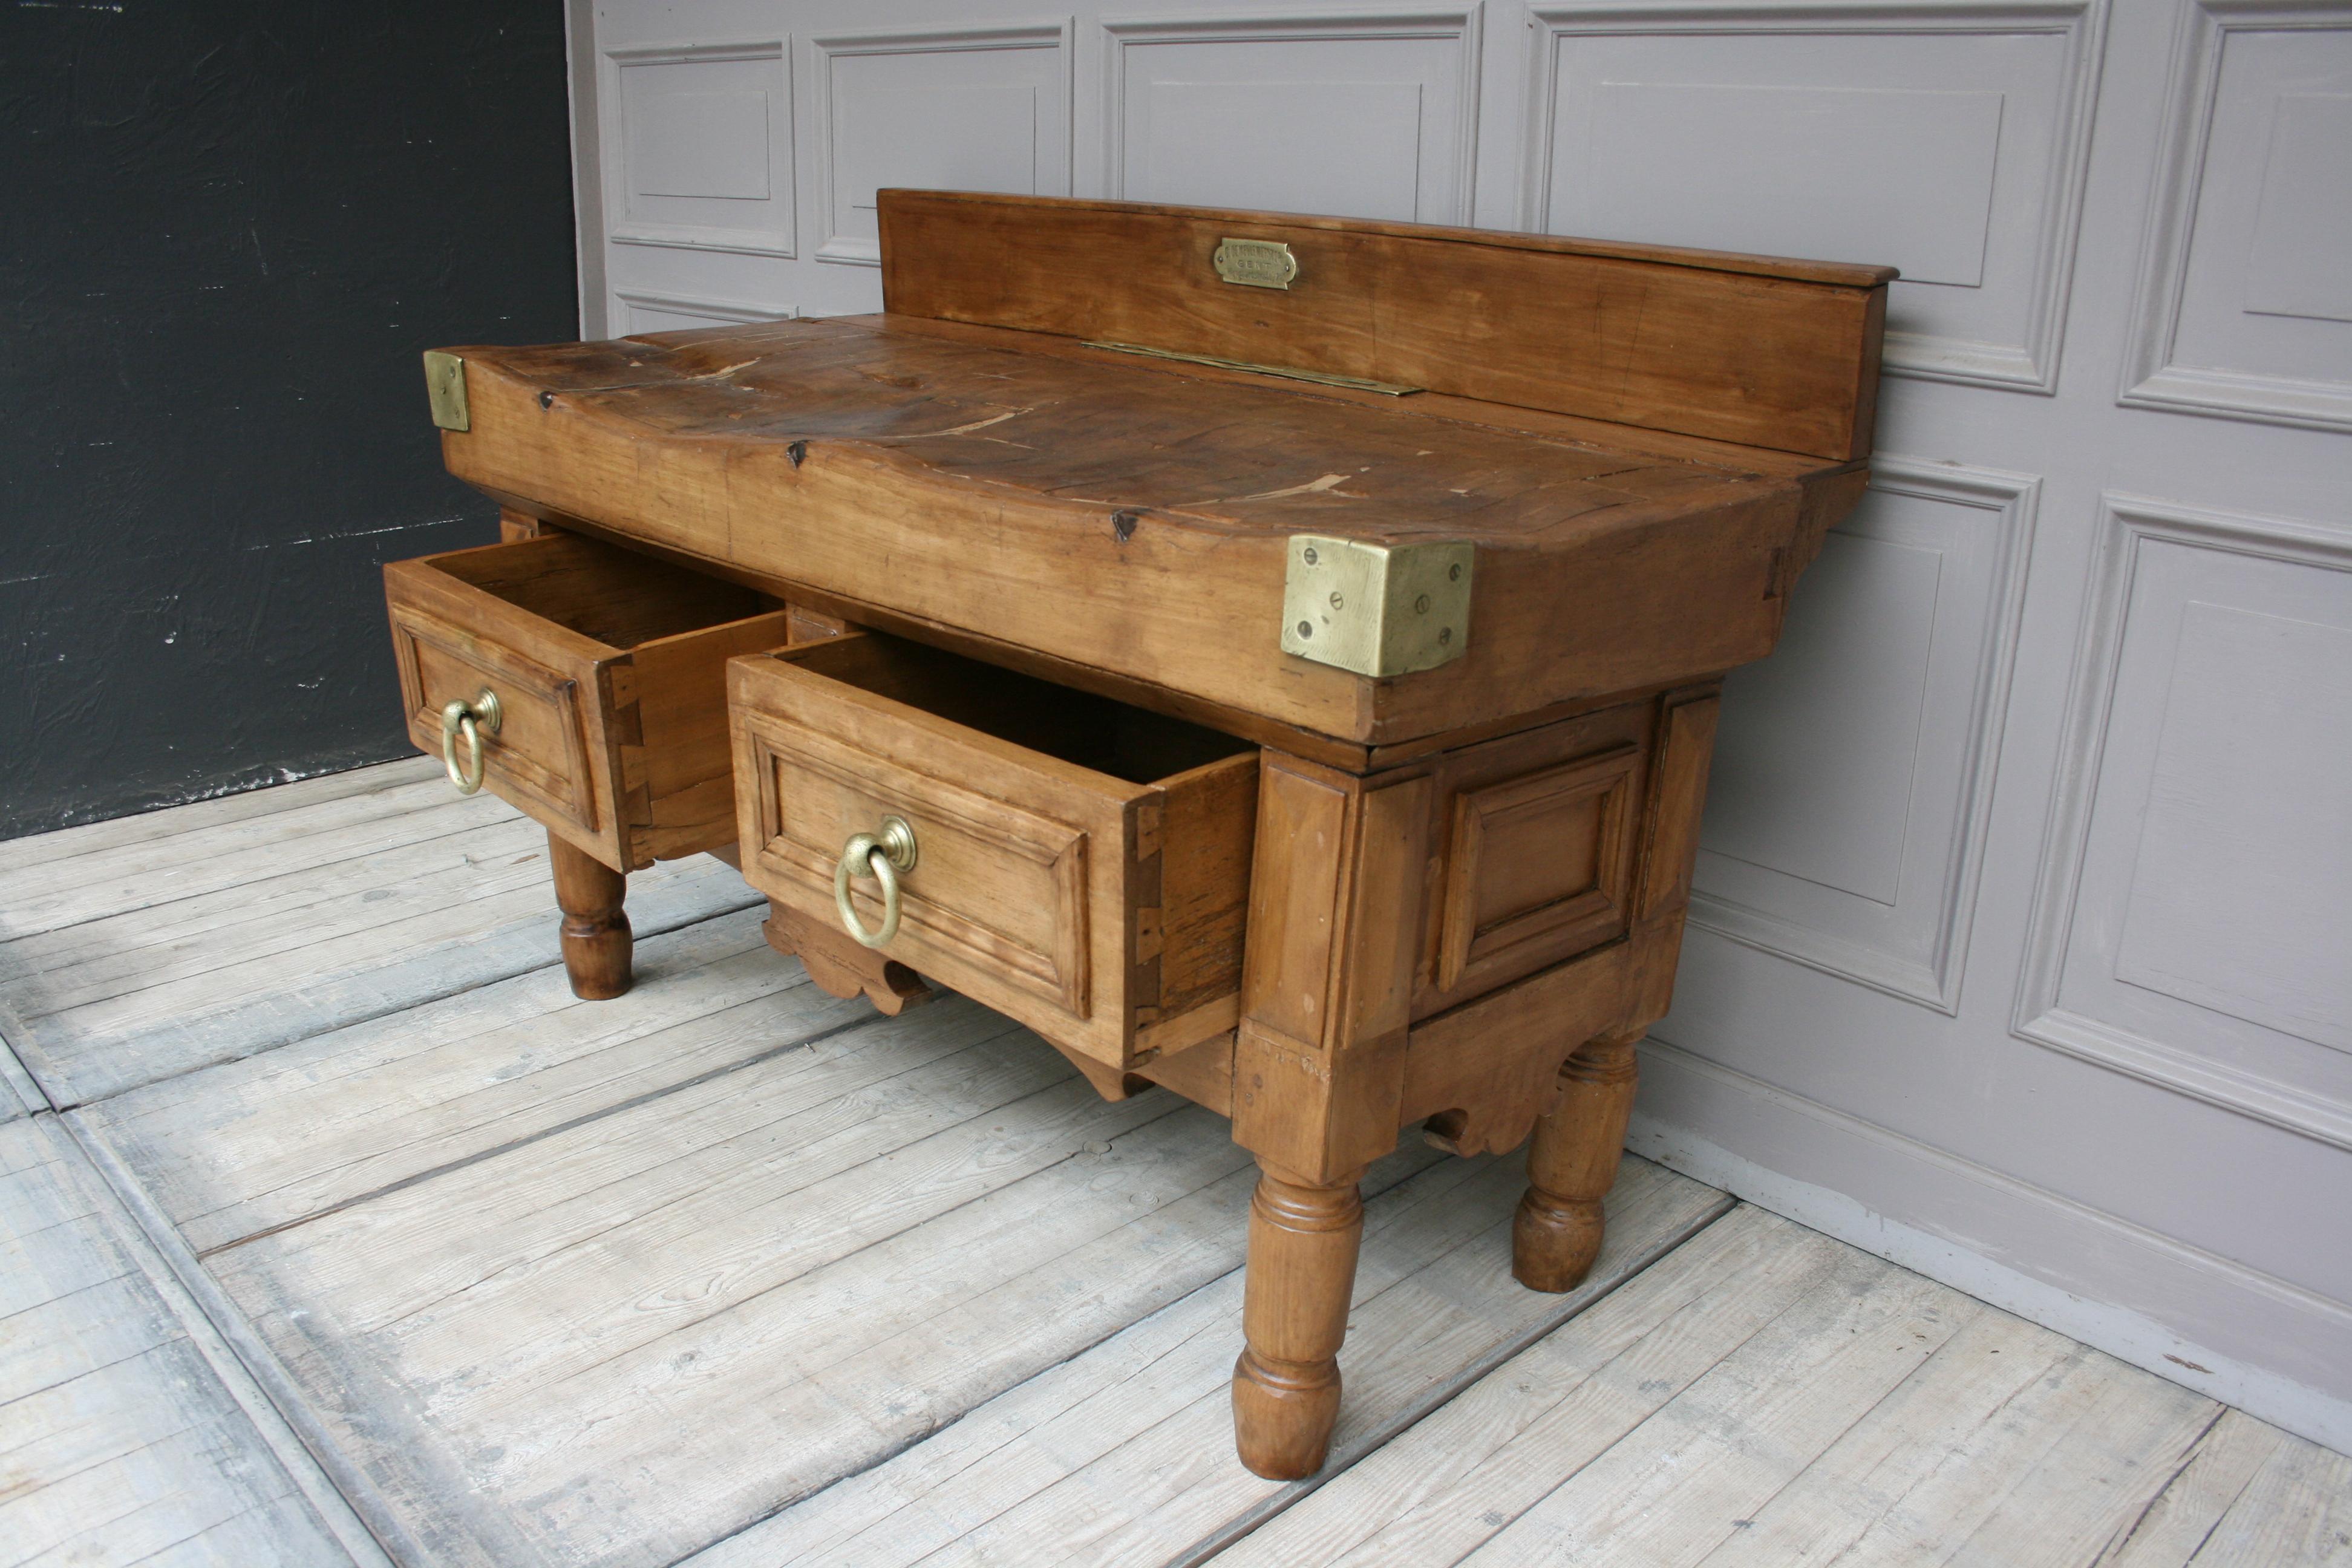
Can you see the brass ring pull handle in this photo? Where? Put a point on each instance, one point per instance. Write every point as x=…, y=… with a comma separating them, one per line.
x=881, y=857
x=461, y=718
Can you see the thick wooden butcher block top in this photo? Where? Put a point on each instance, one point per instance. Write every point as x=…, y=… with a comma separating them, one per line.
x=1641, y=449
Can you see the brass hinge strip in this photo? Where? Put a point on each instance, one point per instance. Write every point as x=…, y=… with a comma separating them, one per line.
x=1320, y=377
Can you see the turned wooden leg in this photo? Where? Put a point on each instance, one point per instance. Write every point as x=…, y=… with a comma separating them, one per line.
x=1303, y=1242
x=596, y=926
x=1572, y=1163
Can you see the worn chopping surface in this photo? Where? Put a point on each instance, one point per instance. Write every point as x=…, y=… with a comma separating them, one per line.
x=1242, y=453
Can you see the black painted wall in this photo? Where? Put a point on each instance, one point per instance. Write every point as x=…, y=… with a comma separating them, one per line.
x=227, y=229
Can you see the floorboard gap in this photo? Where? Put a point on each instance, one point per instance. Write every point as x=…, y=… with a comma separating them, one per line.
x=406, y=1004
x=583, y=1119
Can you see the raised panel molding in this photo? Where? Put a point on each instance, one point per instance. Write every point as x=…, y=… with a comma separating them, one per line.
x=636, y=310
x=1822, y=845
x=1972, y=157
x=2255, y=323
x=2271, y=1042
x=1357, y=113
x=705, y=169
x=992, y=112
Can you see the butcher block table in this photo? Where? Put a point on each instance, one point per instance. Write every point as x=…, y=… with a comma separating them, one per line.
x=1273, y=658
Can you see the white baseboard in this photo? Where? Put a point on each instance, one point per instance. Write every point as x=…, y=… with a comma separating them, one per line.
x=2276, y=1352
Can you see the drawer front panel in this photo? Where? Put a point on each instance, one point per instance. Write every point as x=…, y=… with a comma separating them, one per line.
x=994, y=889
x=541, y=755
x=1022, y=889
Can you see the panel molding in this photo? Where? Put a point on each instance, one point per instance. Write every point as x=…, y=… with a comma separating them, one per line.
x=1053, y=33
x=2150, y=378
x=779, y=241
x=2031, y=365
x=2013, y=500
x=1462, y=24
x=2128, y=523
x=718, y=311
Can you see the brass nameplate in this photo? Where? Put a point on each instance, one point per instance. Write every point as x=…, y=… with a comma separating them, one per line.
x=1259, y=263
x=445, y=389
x=1377, y=609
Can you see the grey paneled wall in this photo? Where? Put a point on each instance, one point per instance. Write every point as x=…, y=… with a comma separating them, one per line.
x=2023, y=945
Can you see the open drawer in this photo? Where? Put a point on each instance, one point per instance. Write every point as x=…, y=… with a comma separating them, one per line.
x=1079, y=864
x=608, y=669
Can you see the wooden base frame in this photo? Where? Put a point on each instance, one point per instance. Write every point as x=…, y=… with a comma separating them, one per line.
x=840, y=967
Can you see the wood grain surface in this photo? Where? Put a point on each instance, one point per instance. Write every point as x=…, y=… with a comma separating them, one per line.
x=1641, y=506
x=1771, y=352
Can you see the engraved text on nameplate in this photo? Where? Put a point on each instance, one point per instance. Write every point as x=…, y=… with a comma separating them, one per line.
x=1260, y=263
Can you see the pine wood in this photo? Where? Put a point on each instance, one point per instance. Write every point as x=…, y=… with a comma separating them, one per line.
x=1539, y=835
x=841, y=967
x=596, y=926
x=1612, y=570
x=1043, y=883
x=1637, y=555
x=1571, y=1163
x=1047, y=579
x=608, y=671
x=1741, y=348
x=1302, y=1242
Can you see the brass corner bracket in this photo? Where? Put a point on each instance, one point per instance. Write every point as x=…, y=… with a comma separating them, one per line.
x=1376, y=609
x=445, y=389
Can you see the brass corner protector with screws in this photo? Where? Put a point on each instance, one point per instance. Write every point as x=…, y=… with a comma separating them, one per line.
x=445, y=389
x=1376, y=609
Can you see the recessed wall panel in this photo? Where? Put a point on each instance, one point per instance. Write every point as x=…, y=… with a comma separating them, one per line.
x=1896, y=175
x=981, y=109
x=1950, y=145
x=2242, y=864
x=635, y=310
x=698, y=147
x=1853, y=772
x=2245, y=304
x=1355, y=144
x=2194, y=925
x=1360, y=115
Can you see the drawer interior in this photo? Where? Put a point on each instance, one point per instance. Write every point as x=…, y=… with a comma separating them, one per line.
x=610, y=671
x=617, y=597
x=1094, y=732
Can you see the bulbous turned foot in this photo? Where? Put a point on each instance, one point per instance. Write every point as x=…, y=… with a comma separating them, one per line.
x=1283, y=1415
x=1554, y=1241
x=1571, y=1163
x=1303, y=1240
x=597, y=942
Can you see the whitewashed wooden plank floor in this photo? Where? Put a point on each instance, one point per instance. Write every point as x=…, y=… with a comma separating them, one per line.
x=730, y=1272
x=130, y=952
x=121, y=1438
